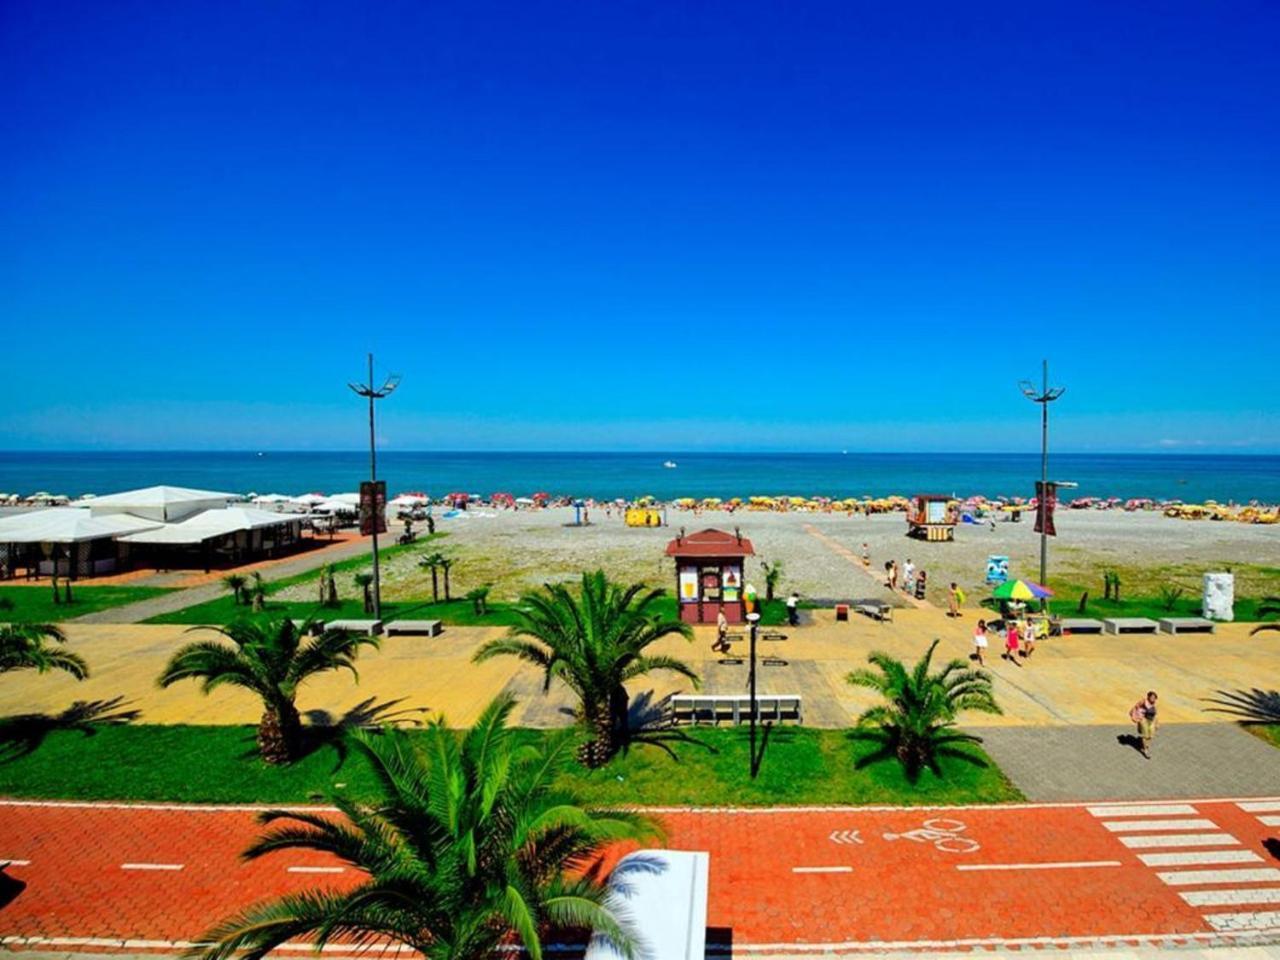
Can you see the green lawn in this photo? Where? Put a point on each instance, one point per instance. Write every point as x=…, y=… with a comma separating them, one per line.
x=710, y=767
x=453, y=612
x=1269, y=732
x=35, y=604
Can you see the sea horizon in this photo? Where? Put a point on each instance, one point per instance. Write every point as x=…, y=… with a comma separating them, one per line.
x=1188, y=476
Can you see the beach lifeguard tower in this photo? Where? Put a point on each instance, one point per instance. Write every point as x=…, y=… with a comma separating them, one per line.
x=709, y=570
x=932, y=516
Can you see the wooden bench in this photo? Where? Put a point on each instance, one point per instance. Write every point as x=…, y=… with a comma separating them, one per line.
x=734, y=708
x=1079, y=625
x=1174, y=625
x=370, y=627
x=421, y=628
x=1119, y=625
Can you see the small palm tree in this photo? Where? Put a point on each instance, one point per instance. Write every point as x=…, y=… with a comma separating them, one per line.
x=772, y=576
x=445, y=564
x=471, y=846
x=432, y=562
x=272, y=659
x=236, y=583
x=25, y=646
x=258, y=591
x=1269, y=607
x=364, y=580
x=595, y=642
x=917, y=723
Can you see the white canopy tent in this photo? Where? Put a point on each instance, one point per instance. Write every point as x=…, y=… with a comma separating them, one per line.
x=68, y=525
x=335, y=505
x=212, y=524
x=163, y=503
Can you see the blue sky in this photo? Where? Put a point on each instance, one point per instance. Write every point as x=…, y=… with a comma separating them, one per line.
x=639, y=226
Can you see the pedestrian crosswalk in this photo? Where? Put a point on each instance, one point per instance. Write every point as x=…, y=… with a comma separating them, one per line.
x=1209, y=867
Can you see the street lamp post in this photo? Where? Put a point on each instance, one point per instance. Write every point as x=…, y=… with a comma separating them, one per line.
x=375, y=393
x=754, y=620
x=1044, y=397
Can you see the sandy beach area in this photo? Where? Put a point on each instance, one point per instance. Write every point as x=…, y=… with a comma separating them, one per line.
x=518, y=550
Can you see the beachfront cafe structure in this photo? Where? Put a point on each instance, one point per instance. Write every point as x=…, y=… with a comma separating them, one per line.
x=162, y=527
x=709, y=572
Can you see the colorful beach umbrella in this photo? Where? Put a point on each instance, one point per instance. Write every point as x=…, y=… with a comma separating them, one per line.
x=1020, y=590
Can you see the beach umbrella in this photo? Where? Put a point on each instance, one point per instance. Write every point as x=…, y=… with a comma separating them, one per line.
x=1020, y=590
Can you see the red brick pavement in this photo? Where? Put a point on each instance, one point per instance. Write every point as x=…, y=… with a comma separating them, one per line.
x=904, y=890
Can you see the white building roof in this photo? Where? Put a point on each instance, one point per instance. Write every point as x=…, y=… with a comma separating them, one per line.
x=68, y=525
x=162, y=503
x=209, y=524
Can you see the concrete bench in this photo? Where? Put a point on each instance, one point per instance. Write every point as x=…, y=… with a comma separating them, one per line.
x=1119, y=625
x=421, y=628
x=370, y=627
x=1172, y=625
x=1079, y=625
x=875, y=609
x=663, y=894
x=734, y=708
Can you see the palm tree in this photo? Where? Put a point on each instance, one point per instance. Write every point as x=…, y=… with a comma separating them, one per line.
x=23, y=646
x=1269, y=607
x=471, y=845
x=432, y=562
x=236, y=583
x=258, y=590
x=272, y=659
x=445, y=564
x=772, y=574
x=364, y=580
x=595, y=643
x=917, y=723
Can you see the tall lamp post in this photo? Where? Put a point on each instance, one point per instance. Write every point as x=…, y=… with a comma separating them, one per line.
x=1044, y=397
x=375, y=393
x=754, y=620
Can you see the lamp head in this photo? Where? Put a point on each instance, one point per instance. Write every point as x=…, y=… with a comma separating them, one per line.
x=753, y=618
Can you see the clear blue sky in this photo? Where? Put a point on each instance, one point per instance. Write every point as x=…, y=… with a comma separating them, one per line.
x=637, y=225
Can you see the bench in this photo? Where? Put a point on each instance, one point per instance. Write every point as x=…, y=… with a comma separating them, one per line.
x=1173, y=625
x=1119, y=625
x=735, y=708
x=317, y=626
x=370, y=627
x=422, y=628
x=875, y=609
x=663, y=894
x=1079, y=625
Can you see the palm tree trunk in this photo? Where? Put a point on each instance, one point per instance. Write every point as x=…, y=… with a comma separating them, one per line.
x=446, y=584
x=608, y=725
x=279, y=734
x=435, y=586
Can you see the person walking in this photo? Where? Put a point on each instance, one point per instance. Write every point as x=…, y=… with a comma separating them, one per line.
x=1011, y=643
x=891, y=574
x=1143, y=714
x=908, y=576
x=980, y=643
x=722, y=633
x=793, y=611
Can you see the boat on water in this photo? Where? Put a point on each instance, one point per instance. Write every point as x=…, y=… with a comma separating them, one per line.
x=669, y=464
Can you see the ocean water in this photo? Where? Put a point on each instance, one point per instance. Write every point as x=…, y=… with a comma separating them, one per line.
x=607, y=475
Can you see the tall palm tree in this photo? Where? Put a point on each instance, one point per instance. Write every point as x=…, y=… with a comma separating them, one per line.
x=445, y=564
x=25, y=646
x=917, y=721
x=594, y=641
x=432, y=562
x=236, y=583
x=272, y=659
x=364, y=580
x=470, y=845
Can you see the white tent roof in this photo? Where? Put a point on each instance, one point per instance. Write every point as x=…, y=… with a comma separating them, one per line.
x=335, y=505
x=407, y=500
x=212, y=523
x=351, y=498
x=309, y=499
x=68, y=525
x=161, y=496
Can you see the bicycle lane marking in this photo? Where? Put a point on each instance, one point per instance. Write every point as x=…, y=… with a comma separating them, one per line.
x=911, y=889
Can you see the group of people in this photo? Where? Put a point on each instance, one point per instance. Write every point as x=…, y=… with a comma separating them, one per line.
x=1020, y=637
x=913, y=580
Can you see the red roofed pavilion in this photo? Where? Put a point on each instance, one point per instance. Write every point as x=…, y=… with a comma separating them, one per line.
x=709, y=575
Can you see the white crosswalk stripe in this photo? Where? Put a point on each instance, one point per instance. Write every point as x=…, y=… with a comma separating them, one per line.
x=1270, y=821
x=1260, y=806
x=1189, y=878
x=1188, y=858
x=1180, y=840
x=1230, y=898
x=1229, y=922
x=1134, y=826
x=1144, y=810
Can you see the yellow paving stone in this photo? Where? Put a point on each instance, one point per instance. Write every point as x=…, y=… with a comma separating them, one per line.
x=1069, y=680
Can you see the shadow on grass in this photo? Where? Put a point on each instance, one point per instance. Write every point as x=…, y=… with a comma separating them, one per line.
x=22, y=735
x=1247, y=706
x=323, y=729
x=952, y=746
x=648, y=724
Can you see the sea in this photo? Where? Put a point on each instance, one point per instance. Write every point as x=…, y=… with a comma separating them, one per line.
x=1191, y=478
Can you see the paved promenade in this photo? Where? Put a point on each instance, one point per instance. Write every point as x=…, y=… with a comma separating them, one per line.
x=782, y=883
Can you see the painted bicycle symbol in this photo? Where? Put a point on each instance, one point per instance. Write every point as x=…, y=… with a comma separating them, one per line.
x=942, y=833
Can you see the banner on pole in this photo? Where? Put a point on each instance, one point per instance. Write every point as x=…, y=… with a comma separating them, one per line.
x=373, y=506
x=1046, y=500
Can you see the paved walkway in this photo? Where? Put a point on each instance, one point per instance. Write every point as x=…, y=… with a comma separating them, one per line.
x=212, y=588
x=1102, y=762
x=782, y=882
